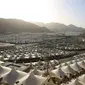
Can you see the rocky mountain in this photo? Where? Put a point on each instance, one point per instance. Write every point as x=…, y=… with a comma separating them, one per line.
x=16, y=25
x=56, y=27
x=75, y=28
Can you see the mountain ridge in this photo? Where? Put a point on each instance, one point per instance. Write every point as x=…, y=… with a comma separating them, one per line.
x=58, y=27
x=17, y=25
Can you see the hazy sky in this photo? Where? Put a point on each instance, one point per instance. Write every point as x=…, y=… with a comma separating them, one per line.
x=62, y=11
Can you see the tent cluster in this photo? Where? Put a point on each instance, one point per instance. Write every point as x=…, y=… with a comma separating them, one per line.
x=41, y=65
x=78, y=81
x=68, y=73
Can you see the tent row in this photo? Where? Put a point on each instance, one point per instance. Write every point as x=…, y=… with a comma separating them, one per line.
x=78, y=81
x=56, y=76
x=59, y=75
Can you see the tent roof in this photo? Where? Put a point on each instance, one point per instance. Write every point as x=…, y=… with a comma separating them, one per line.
x=13, y=76
x=4, y=70
x=74, y=61
x=68, y=69
x=82, y=78
x=81, y=64
x=32, y=79
x=64, y=64
x=69, y=62
x=37, y=72
x=59, y=73
x=75, y=82
x=58, y=66
x=76, y=67
x=1, y=62
x=78, y=59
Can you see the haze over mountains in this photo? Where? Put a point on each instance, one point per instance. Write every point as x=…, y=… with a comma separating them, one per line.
x=58, y=27
x=18, y=26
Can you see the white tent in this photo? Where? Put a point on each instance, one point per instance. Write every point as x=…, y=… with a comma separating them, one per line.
x=76, y=67
x=32, y=79
x=82, y=79
x=12, y=76
x=58, y=66
x=1, y=62
x=82, y=58
x=74, y=61
x=64, y=64
x=4, y=70
x=49, y=80
x=37, y=72
x=82, y=64
x=79, y=59
x=54, y=61
x=59, y=73
x=68, y=70
x=75, y=82
x=69, y=62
